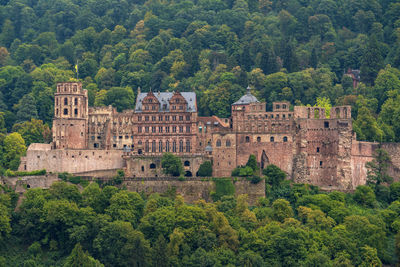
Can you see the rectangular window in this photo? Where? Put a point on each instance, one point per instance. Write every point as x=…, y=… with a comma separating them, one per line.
x=167, y=118
x=188, y=117
x=188, y=129
x=174, y=118
x=181, y=129
x=174, y=129
x=139, y=129
x=139, y=118
x=153, y=129
x=167, y=129
x=181, y=118
x=160, y=129
x=146, y=118
x=180, y=107
x=153, y=118
x=326, y=124
x=146, y=129
x=160, y=118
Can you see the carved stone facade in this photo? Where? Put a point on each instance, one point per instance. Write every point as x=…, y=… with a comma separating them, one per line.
x=304, y=142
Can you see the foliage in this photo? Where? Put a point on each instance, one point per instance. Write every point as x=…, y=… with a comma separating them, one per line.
x=205, y=169
x=223, y=187
x=378, y=168
x=171, y=164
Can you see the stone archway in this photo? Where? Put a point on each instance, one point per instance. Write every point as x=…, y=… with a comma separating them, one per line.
x=264, y=160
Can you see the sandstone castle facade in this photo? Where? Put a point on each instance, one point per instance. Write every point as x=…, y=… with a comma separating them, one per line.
x=303, y=142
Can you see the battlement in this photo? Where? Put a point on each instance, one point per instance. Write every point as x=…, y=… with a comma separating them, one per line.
x=70, y=88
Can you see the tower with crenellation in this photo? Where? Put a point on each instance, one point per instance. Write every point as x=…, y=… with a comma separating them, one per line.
x=70, y=120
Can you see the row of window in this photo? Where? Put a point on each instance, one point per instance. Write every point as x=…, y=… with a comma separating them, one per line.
x=154, y=107
x=271, y=116
x=168, y=129
x=167, y=147
x=66, y=111
x=160, y=118
x=271, y=139
x=66, y=101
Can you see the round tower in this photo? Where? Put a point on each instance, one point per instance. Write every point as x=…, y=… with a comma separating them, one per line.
x=70, y=116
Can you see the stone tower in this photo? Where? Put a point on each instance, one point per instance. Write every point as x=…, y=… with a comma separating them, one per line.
x=70, y=116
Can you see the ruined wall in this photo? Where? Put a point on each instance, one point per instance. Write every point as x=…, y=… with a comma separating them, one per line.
x=150, y=166
x=194, y=189
x=21, y=184
x=72, y=161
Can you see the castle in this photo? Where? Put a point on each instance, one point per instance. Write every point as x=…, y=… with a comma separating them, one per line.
x=308, y=145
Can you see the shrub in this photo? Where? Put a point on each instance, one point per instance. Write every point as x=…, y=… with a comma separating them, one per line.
x=11, y=173
x=223, y=187
x=255, y=179
x=205, y=169
x=171, y=164
x=365, y=196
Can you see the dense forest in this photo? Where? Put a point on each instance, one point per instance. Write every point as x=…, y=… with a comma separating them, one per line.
x=292, y=50
x=296, y=225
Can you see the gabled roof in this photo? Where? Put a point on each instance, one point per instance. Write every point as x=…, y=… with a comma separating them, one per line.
x=164, y=97
x=248, y=98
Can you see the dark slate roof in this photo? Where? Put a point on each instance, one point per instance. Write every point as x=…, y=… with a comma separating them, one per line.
x=164, y=97
x=248, y=98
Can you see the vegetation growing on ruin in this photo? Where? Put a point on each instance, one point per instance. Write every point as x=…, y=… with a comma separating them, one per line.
x=296, y=225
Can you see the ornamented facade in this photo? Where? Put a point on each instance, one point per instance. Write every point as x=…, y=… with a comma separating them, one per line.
x=304, y=142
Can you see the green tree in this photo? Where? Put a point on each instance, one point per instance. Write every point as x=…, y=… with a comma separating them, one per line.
x=274, y=175
x=252, y=163
x=33, y=131
x=171, y=164
x=14, y=148
x=120, y=98
x=119, y=244
x=378, y=168
x=371, y=61
x=205, y=169
x=281, y=210
x=26, y=108
x=80, y=258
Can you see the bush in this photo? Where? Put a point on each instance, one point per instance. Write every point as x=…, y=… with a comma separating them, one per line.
x=205, y=169
x=394, y=191
x=10, y=173
x=171, y=164
x=74, y=179
x=223, y=187
x=255, y=179
x=365, y=196
x=274, y=175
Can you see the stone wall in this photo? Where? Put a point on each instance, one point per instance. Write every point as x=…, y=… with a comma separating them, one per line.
x=192, y=189
x=195, y=188
x=72, y=161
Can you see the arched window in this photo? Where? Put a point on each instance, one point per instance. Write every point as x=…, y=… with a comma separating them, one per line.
x=272, y=139
x=174, y=146
x=181, y=146
x=146, y=146
x=228, y=143
x=285, y=139
x=153, y=146
x=247, y=139
x=139, y=142
x=167, y=146
x=76, y=112
x=65, y=111
x=57, y=112
x=218, y=143
x=152, y=166
x=76, y=101
x=187, y=146
x=65, y=101
x=186, y=163
x=160, y=148
x=258, y=139
x=56, y=101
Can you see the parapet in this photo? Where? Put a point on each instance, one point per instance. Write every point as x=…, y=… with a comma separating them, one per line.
x=341, y=112
x=303, y=112
x=70, y=88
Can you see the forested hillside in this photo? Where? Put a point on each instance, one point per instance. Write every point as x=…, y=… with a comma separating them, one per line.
x=295, y=226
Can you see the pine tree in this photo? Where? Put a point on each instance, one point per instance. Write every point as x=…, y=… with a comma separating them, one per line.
x=371, y=62
x=26, y=108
